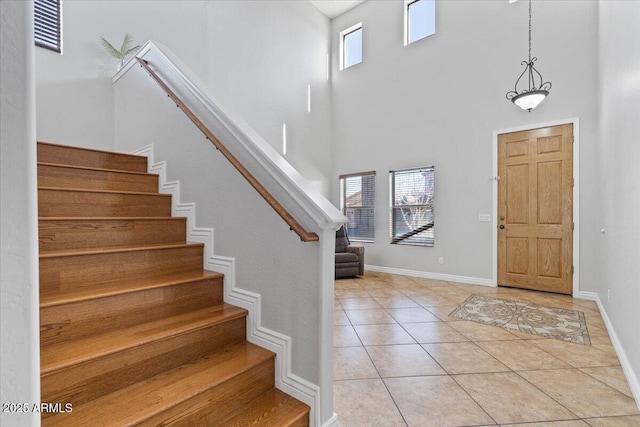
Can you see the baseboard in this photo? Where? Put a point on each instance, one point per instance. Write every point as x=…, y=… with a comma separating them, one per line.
x=632, y=378
x=280, y=344
x=435, y=276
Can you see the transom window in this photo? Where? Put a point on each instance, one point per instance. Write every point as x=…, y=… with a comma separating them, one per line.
x=412, y=196
x=357, y=202
x=46, y=22
x=419, y=20
x=351, y=46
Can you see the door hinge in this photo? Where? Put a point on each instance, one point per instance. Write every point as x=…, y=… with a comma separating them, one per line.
x=573, y=139
x=573, y=225
x=573, y=269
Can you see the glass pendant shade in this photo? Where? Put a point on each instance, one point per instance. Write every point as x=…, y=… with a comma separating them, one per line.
x=530, y=100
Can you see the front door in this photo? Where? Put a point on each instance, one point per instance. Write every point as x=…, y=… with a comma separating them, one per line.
x=535, y=209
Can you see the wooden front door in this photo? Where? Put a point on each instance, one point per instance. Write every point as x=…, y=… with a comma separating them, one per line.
x=535, y=209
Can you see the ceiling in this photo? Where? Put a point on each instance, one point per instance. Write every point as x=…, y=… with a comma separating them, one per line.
x=333, y=8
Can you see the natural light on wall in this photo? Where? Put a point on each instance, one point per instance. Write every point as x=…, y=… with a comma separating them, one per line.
x=419, y=20
x=284, y=139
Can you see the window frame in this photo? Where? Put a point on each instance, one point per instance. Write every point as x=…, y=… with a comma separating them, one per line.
x=50, y=12
x=343, y=204
x=343, y=52
x=430, y=205
x=407, y=5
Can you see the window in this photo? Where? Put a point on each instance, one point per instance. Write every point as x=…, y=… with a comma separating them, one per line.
x=351, y=46
x=412, y=192
x=357, y=202
x=419, y=20
x=46, y=22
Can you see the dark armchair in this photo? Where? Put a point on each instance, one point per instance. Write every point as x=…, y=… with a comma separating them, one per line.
x=349, y=258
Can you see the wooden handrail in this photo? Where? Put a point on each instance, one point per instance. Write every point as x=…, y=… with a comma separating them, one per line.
x=305, y=236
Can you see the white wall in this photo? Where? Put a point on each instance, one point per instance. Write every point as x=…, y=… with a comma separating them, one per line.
x=619, y=189
x=270, y=259
x=19, y=342
x=257, y=58
x=438, y=101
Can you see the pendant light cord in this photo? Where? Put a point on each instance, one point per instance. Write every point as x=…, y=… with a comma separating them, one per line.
x=529, y=30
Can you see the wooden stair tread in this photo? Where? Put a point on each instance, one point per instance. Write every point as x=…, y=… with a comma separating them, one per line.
x=120, y=249
x=81, y=190
x=147, y=398
x=89, y=168
x=48, y=152
x=109, y=218
x=111, y=289
x=273, y=408
x=58, y=356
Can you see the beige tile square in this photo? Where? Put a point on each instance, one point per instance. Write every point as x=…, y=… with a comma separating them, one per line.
x=582, y=394
x=350, y=363
x=351, y=293
x=495, y=393
x=521, y=355
x=433, y=332
x=403, y=361
x=383, y=334
x=479, y=332
x=345, y=336
x=365, y=403
x=435, y=401
x=412, y=315
x=464, y=358
x=433, y=300
x=578, y=356
x=611, y=376
x=397, y=301
x=385, y=293
x=343, y=284
x=630, y=421
x=359, y=303
x=569, y=423
x=340, y=318
x=372, y=316
x=442, y=312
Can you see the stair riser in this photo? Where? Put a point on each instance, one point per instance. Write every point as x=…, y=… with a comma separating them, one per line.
x=80, y=319
x=68, y=235
x=62, y=155
x=87, y=381
x=213, y=406
x=64, y=274
x=61, y=203
x=63, y=177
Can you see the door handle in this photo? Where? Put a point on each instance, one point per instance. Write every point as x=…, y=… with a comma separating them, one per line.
x=501, y=227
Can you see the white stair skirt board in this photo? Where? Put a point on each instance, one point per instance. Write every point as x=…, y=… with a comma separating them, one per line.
x=280, y=344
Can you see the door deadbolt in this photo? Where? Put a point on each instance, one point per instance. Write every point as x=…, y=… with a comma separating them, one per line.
x=501, y=226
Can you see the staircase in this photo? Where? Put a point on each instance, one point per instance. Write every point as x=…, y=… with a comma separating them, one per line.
x=133, y=331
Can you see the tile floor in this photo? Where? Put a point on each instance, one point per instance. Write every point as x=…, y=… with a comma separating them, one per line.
x=399, y=360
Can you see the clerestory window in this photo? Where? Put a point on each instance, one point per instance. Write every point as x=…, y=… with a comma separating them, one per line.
x=419, y=20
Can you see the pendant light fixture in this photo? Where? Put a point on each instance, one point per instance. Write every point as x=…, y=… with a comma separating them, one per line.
x=537, y=90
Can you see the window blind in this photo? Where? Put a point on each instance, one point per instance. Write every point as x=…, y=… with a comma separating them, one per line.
x=357, y=202
x=412, y=200
x=47, y=24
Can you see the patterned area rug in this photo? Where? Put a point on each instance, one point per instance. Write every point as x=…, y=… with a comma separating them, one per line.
x=518, y=316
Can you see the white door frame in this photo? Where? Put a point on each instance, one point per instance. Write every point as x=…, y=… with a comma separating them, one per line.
x=576, y=194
